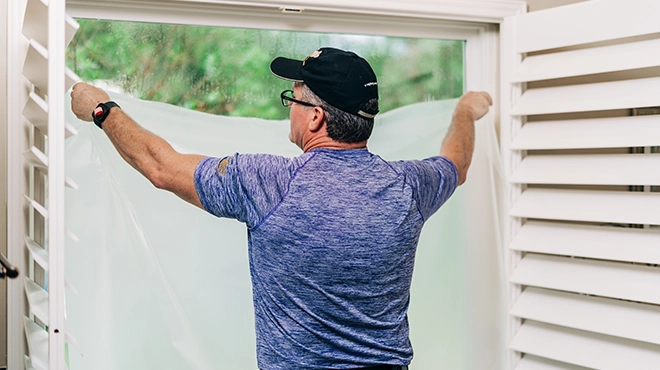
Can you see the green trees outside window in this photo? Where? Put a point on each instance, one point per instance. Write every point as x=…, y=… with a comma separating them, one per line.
x=225, y=70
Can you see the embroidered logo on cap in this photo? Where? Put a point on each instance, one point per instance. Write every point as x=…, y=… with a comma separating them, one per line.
x=312, y=55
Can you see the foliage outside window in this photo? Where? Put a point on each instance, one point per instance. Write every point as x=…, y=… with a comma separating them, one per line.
x=225, y=70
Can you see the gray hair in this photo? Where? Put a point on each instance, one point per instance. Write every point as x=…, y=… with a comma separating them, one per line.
x=342, y=126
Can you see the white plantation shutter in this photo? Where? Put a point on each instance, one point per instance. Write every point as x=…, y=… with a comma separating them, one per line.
x=37, y=122
x=584, y=242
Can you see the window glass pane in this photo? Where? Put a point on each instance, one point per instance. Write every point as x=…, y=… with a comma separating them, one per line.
x=225, y=70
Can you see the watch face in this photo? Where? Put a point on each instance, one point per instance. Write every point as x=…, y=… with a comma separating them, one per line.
x=102, y=111
x=98, y=112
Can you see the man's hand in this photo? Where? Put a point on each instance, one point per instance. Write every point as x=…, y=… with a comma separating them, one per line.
x=85, y=98
x=474, y=103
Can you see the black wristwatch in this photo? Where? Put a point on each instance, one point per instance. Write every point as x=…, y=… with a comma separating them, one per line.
x=101, y=112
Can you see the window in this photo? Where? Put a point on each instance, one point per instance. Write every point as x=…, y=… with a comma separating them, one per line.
x=225, y=70
x=221, y=304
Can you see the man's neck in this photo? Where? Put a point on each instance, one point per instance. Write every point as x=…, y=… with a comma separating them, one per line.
x=332, y=144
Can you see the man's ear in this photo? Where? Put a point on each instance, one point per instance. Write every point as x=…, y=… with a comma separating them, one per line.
x=317, y=120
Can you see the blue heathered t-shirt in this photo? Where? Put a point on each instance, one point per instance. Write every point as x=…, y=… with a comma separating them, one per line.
x=332, y=236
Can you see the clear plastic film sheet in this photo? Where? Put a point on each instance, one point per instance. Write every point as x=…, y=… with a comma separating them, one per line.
x=164, y=285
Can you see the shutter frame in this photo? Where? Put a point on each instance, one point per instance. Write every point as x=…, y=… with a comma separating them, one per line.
x=35, y=207
x=570, y=212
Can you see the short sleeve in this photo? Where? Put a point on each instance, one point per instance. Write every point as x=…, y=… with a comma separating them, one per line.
x=245, y=187
x=434, y=181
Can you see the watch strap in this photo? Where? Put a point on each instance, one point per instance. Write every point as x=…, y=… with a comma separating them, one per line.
x=101, y=112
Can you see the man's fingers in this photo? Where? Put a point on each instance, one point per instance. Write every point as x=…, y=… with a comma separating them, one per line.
x=78, y=86
x=488, y=97
x=476, y=102
x=484, y=95
x=84, y=98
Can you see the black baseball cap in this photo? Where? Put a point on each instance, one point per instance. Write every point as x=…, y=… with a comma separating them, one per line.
x=342, y=78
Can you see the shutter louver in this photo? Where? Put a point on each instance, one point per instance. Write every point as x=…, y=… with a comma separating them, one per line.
x=37, y=339
x=584, y=242
x=588, y=206
x=589, y=276
x=36, y=111
x=561, y=238
x=596, y=314
x=615, y=132
x=583, y=348
x=603, y=169
x=531, y=362
x=644, y=92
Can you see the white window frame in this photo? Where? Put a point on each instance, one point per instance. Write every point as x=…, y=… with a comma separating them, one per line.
x=476, y=21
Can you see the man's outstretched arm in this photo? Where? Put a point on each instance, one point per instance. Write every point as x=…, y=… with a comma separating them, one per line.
x=152, y=156
x=458, y=144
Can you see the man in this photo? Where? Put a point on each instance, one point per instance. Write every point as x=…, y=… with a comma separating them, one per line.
x=332, y=233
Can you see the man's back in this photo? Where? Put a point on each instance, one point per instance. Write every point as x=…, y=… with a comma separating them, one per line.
x=332, y=238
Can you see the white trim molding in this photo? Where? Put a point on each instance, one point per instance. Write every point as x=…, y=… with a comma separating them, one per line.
x=481, y=11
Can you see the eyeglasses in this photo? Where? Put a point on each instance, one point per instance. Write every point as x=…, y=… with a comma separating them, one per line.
x=287, y=99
